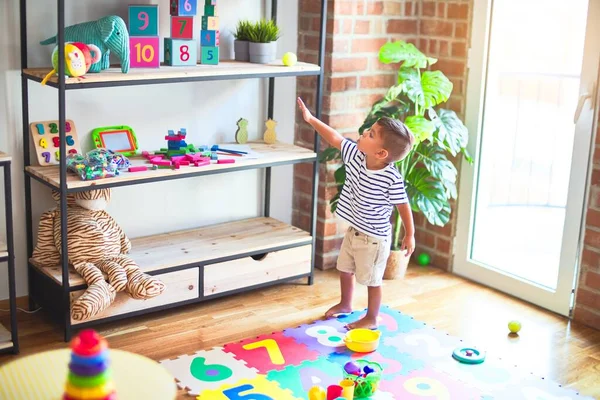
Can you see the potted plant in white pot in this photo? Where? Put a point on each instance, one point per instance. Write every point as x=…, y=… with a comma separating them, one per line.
x=242, y=42
x=263, y=37
x=429, y=176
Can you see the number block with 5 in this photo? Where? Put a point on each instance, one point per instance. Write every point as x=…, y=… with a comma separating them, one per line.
x=184, y=7
x=210, y=55
x=145, y=52
x=143, y=20
x=179, y=52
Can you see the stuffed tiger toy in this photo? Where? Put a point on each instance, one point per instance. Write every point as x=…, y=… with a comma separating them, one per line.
x=96, y=244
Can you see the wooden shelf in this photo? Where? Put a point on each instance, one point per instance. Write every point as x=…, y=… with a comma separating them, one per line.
x=4, y=157
x=269, y=155
x=167, y=74
x=5, y=338
x=3, y=250
x=202, y=245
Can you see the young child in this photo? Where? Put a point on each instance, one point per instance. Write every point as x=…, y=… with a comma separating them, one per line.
x=373, y=187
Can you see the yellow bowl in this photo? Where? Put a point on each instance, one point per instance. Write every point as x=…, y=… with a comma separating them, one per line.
x=362, y=340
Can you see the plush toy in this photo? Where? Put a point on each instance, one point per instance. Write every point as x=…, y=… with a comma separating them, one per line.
x=108, y=34
x=96, y=244
x=79, y=58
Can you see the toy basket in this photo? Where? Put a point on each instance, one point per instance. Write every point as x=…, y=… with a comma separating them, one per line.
x=365, y=386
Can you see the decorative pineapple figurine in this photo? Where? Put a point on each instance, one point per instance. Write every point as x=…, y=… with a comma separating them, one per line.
x=270, y=136
x=241, y=135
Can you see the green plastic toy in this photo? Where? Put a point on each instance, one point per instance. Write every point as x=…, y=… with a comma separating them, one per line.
x=120, y=139
x=423, y=259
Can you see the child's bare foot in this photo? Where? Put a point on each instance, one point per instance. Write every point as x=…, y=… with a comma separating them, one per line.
x=366, y=322
x=338, y=309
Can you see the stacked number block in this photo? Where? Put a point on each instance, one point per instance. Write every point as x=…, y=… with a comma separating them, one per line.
x=209, y=35
x=180, y=48
x=89, y=373
x=144, y=41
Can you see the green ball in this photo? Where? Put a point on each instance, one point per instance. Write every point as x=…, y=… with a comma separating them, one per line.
x=423, y=259
x=514, y=326
x=289, y=59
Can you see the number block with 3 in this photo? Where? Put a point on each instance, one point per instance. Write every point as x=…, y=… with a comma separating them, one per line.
x=182, y=27
x=210, y=55
x=210, y=23
x=184, y=7
x=179, y=52
x=143, y=20
x=145, y=52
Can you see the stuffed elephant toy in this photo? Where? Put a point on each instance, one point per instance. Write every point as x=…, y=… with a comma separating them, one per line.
x=96, y=244
x=108, y=33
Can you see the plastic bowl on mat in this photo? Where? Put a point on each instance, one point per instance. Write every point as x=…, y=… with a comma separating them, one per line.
x=362, y=340
x=365, y=386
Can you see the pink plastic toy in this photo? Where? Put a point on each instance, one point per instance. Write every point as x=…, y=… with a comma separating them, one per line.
x=226, y=161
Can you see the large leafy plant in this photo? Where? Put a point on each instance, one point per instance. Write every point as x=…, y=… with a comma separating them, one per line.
x=429, y=174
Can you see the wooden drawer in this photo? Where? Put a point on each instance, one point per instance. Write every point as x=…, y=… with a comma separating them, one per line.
x=180, y=286
x=244, y=272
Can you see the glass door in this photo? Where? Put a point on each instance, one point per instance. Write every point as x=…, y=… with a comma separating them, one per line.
x=533, y=68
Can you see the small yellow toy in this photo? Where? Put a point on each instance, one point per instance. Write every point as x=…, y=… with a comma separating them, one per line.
x=78, y=59
x=362, y=340
x=514, y=326
x=317, y=393
x=289, y=59
x=270, y=135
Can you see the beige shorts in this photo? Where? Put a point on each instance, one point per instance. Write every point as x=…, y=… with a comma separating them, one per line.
x=364, y=256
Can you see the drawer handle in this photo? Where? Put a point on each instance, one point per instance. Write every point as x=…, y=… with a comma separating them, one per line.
x=259, y=257
x=191, y=287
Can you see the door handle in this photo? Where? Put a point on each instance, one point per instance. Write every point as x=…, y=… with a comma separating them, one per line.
x=582, y=100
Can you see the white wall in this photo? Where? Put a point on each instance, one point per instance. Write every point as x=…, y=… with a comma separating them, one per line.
x=209, y=111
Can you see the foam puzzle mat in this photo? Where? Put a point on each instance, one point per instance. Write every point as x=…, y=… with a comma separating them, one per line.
x=417, y=361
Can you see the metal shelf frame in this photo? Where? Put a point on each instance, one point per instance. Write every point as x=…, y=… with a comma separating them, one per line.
x=64, y=298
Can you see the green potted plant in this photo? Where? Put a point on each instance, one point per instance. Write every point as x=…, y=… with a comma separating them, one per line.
x=429, y=175
x=242, y=40
x=263, y=37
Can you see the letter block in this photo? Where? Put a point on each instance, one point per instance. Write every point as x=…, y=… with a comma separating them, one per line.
x=143, y=20
x=180, y=52
x=182, y=27
x=145, y=52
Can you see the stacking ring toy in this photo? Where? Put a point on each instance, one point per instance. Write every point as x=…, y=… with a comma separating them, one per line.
x=468, y=355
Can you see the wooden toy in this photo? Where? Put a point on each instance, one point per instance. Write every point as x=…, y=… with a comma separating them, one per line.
x=143, y=20
x=216, y=147
x=210, y=55
x=210, y=23
x=120, y=139
x=211, y=11
x=209, y=38
x=145, y=52
x=241, y=135
x=210, y=2
x=226, y=161
x=182, y=27
x=270, y=135
x=202, y=162
x=138, y=168
x=79, y=58
x=180, y=52
x=184, y=7
x=47, y=142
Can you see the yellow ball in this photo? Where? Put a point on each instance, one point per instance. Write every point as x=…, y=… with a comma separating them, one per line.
x=289, y=59
x=514, y=326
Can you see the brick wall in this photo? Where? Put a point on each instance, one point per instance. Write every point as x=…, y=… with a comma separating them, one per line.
x=587, y=307
x=355, y=79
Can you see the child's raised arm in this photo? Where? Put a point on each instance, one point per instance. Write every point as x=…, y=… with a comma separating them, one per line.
x=330, y=135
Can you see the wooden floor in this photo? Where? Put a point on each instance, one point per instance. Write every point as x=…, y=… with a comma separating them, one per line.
x=548, y=345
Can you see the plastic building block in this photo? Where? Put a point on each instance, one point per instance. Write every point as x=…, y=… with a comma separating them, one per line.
x=161, y=163
x=138, y=168
x=226, y=161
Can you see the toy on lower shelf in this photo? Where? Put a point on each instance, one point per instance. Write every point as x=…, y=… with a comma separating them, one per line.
x=97, y=164
x=89, y=370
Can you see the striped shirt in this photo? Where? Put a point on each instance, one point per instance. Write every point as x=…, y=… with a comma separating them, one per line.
x=368, y=196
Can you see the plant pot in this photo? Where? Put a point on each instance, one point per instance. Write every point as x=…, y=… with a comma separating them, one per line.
x=397, y=264
x=262, y=53
x=240, y=49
